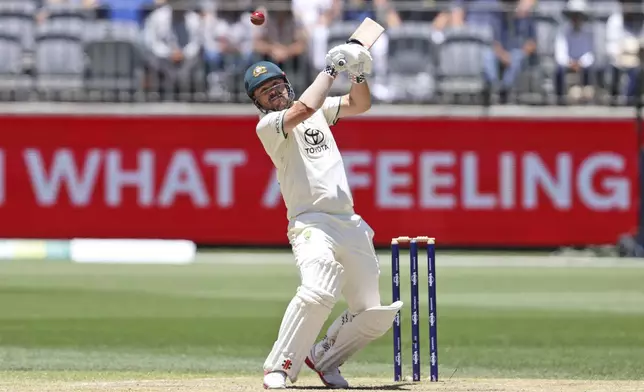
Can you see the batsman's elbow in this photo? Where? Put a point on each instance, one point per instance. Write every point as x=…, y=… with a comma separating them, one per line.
x=360, y=106
x=360, y=109
x=301, y=110
x=297, y=114
x=349, y=106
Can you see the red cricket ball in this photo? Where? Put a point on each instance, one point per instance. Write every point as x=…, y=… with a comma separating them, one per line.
x=257, y=18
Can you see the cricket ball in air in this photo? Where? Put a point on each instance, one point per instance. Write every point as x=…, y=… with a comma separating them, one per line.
x=257, y=18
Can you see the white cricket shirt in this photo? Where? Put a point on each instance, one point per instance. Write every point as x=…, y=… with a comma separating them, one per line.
x=309, y=166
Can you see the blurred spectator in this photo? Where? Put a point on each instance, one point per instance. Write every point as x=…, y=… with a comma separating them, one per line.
x=442, y=20
x=173, y=39
x=419, y=10
x=383, y=12
x=228, y=41
x=79, y=3
x=317, y=16
x=574, y=47
x=481, y=13
x=623, y=32
x=126, y=10
x=282, y=39
x=514, y=39
x=513, y=34
x=524, y=7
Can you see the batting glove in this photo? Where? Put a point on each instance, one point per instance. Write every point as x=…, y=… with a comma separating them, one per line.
x=347, y=57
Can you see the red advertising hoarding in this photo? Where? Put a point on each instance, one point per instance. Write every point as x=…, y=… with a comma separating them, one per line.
x=484, y=182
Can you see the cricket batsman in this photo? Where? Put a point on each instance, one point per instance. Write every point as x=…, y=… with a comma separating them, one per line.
x=332, y=245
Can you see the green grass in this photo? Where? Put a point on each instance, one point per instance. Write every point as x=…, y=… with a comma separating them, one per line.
x=583, y=323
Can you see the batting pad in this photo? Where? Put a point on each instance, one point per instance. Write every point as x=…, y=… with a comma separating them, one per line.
x=305, y=316
x=331, y=334
x=356, y=333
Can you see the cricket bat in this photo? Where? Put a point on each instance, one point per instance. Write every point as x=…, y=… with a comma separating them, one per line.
x=366, y=34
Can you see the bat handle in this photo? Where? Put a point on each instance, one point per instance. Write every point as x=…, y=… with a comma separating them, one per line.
x=354, y=41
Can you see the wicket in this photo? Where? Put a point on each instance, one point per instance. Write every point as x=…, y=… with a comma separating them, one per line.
x=415, y=313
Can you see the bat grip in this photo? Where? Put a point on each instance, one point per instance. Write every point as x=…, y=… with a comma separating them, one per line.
x=354, y=41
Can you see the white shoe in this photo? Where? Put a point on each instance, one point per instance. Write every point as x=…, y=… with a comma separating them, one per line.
x=331, y=379
x=275, y=380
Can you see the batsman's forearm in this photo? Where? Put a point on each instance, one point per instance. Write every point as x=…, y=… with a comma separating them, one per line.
x=314, y=96
x=360, y=95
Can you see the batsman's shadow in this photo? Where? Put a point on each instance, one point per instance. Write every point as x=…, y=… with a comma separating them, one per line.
x=388, y=387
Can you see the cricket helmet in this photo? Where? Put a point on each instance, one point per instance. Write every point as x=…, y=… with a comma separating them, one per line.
x=260, y=73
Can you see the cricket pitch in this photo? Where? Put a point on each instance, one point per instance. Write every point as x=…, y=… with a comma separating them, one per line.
x=244, y=384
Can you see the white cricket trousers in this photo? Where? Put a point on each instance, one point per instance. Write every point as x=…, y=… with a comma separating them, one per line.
x=346, y=239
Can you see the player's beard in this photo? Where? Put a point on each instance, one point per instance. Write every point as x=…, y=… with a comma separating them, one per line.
x=279, y=102
x=278, y=98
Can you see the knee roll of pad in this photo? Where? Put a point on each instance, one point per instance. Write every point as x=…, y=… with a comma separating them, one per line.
x=321, y=282
x=316, y=297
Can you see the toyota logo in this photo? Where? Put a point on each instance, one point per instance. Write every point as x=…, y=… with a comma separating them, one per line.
x=313, y=137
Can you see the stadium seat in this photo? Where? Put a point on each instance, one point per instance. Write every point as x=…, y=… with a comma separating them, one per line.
x=17, y=17
x=65, y=14
x=411, y=62
x=13, y=80
x=460, y=61
x=59, y=59
x=114, y=61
